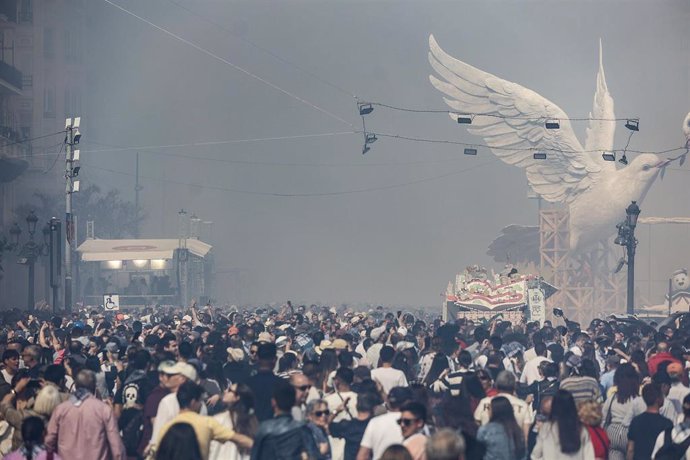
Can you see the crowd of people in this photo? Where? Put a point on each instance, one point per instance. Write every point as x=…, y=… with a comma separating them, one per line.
x=322, y=383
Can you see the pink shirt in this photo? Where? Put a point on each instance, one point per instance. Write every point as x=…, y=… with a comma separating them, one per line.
x=85, y=431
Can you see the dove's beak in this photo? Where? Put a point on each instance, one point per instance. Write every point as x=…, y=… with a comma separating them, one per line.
x=664, y=163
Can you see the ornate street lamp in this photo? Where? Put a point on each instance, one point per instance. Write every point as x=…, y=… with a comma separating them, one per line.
x=626, y=238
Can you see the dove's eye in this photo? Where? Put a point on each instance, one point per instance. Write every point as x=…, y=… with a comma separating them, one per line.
x=646, y=167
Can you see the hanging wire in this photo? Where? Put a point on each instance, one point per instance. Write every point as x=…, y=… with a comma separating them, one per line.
x=32, y=139
x=227, y=62
x=493, y=115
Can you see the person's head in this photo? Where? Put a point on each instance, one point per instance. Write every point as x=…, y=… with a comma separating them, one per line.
x=540, y=349
x=170, y=344
x=564, y=415
x=652, y=395
x=55, y=374
x=178, y=374
x=589, y=413
x=396, y=452
x=505, y=382
x=283, y=397
x=317, y=412
x=581, y=339
x=47, y=400
x=445, y=444
x=31, y=355
x=343, y=378
x=485, y=379
x=366, y=403
x=386, y=355
x=33, y=430
x=86, y=380
x=253, y=350
x=627, y=380
x=189, y=396
x=10, y=358
x=266, y=355
x=662, y=379
x=301, y=384
x=397, y=397
x=179, y=443
x=412, y=418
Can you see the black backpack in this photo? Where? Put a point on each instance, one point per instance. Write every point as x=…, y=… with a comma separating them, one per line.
x=670, y=450
x=132, y=430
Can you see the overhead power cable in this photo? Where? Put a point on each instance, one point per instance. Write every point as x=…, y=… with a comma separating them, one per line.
x=492, y=115
x=23, y=141
x=298, y=195
x=227, y=62
x=261, y=48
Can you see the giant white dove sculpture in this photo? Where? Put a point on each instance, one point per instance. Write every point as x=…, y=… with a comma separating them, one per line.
x=513, y=125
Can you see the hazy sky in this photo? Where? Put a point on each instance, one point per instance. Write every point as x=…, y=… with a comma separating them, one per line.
x=395, y=245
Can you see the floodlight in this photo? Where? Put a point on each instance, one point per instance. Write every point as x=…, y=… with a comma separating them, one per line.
x=552, y=124
x=539, y=156
x=470, y=151
x=365, y=109
x=77, y=122
x=75, y=155
x=365, y=149
x=68, y=123
x=75, y=171
x=633, y=124
x=370, y=138
x=609, y=156
x=620, y=264
x=464, y=119
x=75, y=186
x=76, y=135
x=623, y=160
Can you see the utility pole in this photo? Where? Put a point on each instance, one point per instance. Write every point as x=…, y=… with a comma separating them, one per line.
x=626, y=238
x=72, y=138
x=137, y=189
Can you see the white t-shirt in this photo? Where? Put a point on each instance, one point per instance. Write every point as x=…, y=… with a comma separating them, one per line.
x=6, y=375
x=381, y=432
x=168, y=409
x=530, y=373
x=389, y=378
x=334, y=401
x=523, y=414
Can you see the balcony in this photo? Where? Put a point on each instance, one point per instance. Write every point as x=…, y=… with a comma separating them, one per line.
x=10, y=79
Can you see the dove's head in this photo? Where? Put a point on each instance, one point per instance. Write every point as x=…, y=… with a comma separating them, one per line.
x=686, y=130
x=642, y=172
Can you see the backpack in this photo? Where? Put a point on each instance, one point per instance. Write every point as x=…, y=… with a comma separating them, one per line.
x=132, y=430
x=670, y=450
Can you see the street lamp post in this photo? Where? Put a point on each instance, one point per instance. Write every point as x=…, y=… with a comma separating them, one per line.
x=29, y=251
x=626, y=238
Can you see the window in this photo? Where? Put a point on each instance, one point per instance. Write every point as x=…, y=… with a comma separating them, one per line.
x=72, y=47
x=72, y=102
x=48, y=103
x=26, y=11
x=48, y=42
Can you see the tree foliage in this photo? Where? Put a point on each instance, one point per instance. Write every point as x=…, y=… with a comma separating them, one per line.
x=113, y=216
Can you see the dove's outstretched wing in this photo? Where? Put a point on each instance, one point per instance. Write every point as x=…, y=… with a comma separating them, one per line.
x=516, y=124
x=602, y=126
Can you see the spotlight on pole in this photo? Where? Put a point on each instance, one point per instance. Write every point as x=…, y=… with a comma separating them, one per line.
x=539, y=156
x=552, y=124
x=620, y=264
x=633, y=124
x=464, y=119
x=370, y=138
x=470, y=152
x=365, y=109
x=609, y=156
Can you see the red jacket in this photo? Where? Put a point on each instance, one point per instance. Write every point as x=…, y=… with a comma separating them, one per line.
x=654, y=361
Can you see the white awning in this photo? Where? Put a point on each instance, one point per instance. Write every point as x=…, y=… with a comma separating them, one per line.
x=95, y=250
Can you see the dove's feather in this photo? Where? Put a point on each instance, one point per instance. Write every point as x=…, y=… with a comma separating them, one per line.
x=566, y=173
x=600, y=133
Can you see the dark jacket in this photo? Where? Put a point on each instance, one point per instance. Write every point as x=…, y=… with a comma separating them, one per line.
x=282, y=437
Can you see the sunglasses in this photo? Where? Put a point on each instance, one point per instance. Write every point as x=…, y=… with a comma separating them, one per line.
x=406, y=421
x=322, y=413
x=303, y=387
